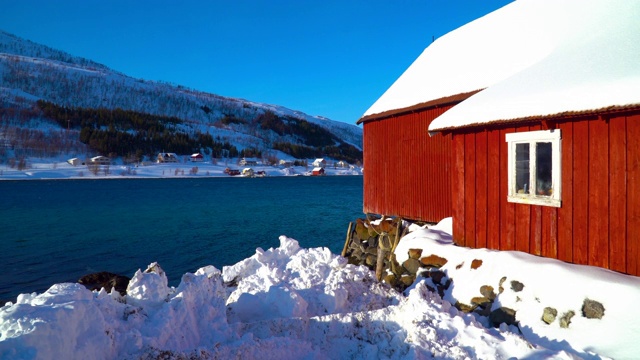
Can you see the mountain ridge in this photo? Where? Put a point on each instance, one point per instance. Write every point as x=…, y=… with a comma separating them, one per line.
x=31, y=72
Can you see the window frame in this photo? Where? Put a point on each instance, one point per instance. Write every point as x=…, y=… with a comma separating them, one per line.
x=532, y=137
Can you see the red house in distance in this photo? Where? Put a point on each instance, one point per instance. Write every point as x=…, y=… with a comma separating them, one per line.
x=197, y=157
x=540, y=101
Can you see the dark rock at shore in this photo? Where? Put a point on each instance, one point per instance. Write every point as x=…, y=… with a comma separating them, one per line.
x=503, y=315
x=106, y=280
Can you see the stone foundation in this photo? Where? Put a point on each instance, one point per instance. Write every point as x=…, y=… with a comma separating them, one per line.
x=372, y=244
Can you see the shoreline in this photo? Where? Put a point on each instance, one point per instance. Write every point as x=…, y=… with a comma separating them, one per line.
x=65, y=171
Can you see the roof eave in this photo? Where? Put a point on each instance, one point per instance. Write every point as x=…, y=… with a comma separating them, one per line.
x=557, y=117
x=444, y=101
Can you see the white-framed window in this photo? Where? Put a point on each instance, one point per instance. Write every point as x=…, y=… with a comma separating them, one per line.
x=534, y=167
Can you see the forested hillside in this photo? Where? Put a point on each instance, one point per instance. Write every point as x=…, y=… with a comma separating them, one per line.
x=75, y=105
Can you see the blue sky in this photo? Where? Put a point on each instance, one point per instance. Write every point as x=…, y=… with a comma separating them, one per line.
x=329, y=58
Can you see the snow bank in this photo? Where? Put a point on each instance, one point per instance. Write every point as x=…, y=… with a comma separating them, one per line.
x=302, y=283
x=547, y=283
x=294, y=303
x=70, y=322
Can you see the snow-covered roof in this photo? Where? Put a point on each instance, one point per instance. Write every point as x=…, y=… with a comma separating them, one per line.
x=470, y=58
x=593, y=66
x=530, y=58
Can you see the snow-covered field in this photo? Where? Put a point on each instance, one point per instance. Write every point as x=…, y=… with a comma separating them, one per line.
x=49, y=169
x=295, y=303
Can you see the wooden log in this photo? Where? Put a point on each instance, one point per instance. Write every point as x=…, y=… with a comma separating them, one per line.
x=382, y=254
x=347, y=241
x=398, y=235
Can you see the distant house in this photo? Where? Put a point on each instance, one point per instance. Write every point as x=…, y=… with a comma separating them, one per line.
x=319, y=163
x=101, y=160
x=248, y=172
x=285, y=163
x=167, y=158
x=75, y=161
x=342, y=164
x=318, y=171
x=248, y=162
x=197, y=157
x=232, y=172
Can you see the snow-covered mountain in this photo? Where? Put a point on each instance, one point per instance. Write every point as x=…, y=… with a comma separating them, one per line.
x=30, y=72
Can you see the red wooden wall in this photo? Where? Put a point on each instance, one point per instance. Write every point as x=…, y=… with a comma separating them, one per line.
x=406, y=172
x=599, y=220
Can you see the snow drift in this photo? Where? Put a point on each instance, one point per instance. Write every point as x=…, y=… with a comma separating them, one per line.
x=293, y=303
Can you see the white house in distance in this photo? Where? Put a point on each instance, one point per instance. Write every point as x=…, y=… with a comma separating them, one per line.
x=100, y=160
x=248, y=162
x=319, y=162
x=167, y=158
x=247, y=172
x=74, y=161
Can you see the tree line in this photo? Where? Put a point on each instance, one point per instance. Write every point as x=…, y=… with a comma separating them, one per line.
x=133, y=134
x=318, y=142
x=311, y=134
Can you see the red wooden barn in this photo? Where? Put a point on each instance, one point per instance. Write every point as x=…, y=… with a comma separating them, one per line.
x=546, y=154
x=406, y=173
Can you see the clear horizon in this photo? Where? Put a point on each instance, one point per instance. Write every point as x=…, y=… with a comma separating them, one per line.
x=332, y=59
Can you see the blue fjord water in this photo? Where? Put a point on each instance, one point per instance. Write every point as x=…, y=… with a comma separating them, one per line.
x=56, y=231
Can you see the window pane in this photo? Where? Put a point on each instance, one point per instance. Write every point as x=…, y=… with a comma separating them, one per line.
x=544, y=185
x=522, y=168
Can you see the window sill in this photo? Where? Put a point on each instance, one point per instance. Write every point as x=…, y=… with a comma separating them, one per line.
x=531, y=200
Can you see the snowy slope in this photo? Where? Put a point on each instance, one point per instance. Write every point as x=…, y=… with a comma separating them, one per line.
x=11, y=44
x=40, y=72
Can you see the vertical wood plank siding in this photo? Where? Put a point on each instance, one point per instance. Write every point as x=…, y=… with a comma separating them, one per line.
x=493, y=190
x=470, y=188
x=406, y=172
x=633, y=194
x=599, y=220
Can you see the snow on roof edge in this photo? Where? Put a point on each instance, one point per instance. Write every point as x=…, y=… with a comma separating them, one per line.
x=463, y=60
x=444, y=101
x=535, y=118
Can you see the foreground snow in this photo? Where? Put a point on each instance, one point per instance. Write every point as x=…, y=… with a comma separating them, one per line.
x=294, y=303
